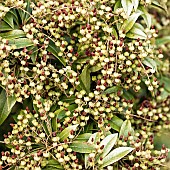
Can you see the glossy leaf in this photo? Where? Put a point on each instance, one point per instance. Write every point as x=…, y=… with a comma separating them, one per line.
x=21, y=42
x=83, y=137
x=136, y=33
x=9, y=20
x=160, y=6
x=114, y=32
x=94, y=138
x=163, y=40
x=116, y=123
x=127, y=6
x=53, y=164
x=55, y=50
x=128, y=95
x=117, y=5
x=129, y=23
x=85, y=79
x=15, y=16
x=146, y=16
x=6, y=105
x=61, y=113
x=116, y=155
x=166, y=81
x=82, y=147
x=95, y=68
x=126, y=128
x=135, y=4
x=113, y=89
x=108, y=142
x=4, y=26
x=150, y=63
x=65, y=133
x=12, y=34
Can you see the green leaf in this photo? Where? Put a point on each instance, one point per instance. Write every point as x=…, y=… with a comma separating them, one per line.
x=85, y=79
x=127, y=6
x=114, y=32
x=34, y=54
x=116, y=123
x=116, y=155
x=95, y=68
x=160, y=6
x=166, y=81
x=65, y=133
x=113, y=89
x=128, y=24
x=150, y=63
x=135, y=4
x=83, y=137
x=146, y=16
x=128, y=95
x=126, y=128
x=69, y=100
x=6, y=105
x=108, y=142
x=13, y=34
x=15, y=16
x=82, y=60
x=53, y=164
x=94, y=138
x=163, y=40
x=55, y=50
x=164, y=94
x=21, y=42
x=116, y=6
x=9, y=19
x=62, y=112
x=136, y=33
x=82, y=147
x=4, y=26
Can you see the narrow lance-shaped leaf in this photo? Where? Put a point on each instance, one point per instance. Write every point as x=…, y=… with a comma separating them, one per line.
x=114, y=32
x=116, y=6
x=12, y=34
x=116, y=155
x=21, y=42
x=82, y=147
x=135, y=4
x=65, y=133
x=146, y=16
x=55, y=50
x=6, y=105
x=85, y=79
x=9, y=20
x=136, y=33
x=113, y=89
x=95, y=68
x=108, y=142
x=126, y=128
x=127, y=6
x=128, y=24
x=92, y=140
x=163, y=40
x=4, y=26
x=83, y=137
x=150, y=63
x=160, y=6
x=116, y=123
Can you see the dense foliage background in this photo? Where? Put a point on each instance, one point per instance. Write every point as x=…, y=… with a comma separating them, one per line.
x=84, y=84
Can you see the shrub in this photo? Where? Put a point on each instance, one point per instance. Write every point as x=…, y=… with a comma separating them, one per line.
x=85, y=83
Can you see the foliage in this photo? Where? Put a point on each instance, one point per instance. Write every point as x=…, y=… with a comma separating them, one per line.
x=85, y=82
